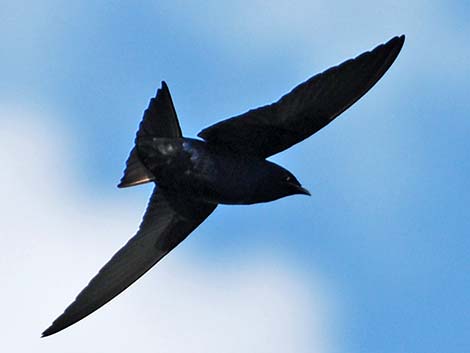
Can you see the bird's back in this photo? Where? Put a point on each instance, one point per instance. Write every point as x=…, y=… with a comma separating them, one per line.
x=210, y=173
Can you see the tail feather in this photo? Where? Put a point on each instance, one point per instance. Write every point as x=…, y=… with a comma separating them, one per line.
x=159, y=120
x=135, y=173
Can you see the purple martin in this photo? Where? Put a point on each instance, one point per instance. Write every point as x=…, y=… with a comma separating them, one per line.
x=228, y=166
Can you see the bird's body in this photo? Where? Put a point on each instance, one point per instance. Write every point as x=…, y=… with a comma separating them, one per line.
x=210, y=173
x=228, y=166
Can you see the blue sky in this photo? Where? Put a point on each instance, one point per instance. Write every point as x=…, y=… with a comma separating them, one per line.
x=375, y=261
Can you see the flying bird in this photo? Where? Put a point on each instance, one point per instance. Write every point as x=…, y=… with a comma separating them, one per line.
x=227, y=166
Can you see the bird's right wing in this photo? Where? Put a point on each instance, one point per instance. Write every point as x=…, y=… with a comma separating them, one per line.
x=168, y=220
x=307, y=108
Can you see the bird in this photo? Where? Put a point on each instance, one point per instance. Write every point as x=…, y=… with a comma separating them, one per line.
x=227, y=165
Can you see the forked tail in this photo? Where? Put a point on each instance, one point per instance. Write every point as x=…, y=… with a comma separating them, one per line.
x=159, y=120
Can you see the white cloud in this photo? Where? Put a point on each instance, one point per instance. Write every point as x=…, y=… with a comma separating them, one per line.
x=55, y=238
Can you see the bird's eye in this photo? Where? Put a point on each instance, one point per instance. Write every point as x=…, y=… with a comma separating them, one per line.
x=288, y=178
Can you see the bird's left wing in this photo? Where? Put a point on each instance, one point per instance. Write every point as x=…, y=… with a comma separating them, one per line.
x=168, y=220
x=307, y=108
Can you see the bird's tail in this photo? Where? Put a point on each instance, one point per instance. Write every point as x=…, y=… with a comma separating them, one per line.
x=159, y=120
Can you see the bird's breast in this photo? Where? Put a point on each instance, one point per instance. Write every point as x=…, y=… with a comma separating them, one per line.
x=202, y=171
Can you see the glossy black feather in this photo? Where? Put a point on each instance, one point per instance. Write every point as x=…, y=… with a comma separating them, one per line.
x=159, y=120
x=307, y=108
x=168, y=220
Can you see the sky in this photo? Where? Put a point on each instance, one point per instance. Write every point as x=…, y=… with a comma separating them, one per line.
x=375, y=261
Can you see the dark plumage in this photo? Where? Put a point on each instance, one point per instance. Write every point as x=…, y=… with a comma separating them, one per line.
x=229, y=166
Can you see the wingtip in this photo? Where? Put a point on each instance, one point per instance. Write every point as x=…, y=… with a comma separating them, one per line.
x=49, y=331
x=399, y=39
x=396, y=41
x=393, y=47
x=402, y=38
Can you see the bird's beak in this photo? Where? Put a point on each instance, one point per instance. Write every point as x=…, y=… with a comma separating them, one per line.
x=301, y=190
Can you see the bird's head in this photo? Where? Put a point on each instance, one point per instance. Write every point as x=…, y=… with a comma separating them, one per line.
x=291, y=185
x=278, y=183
